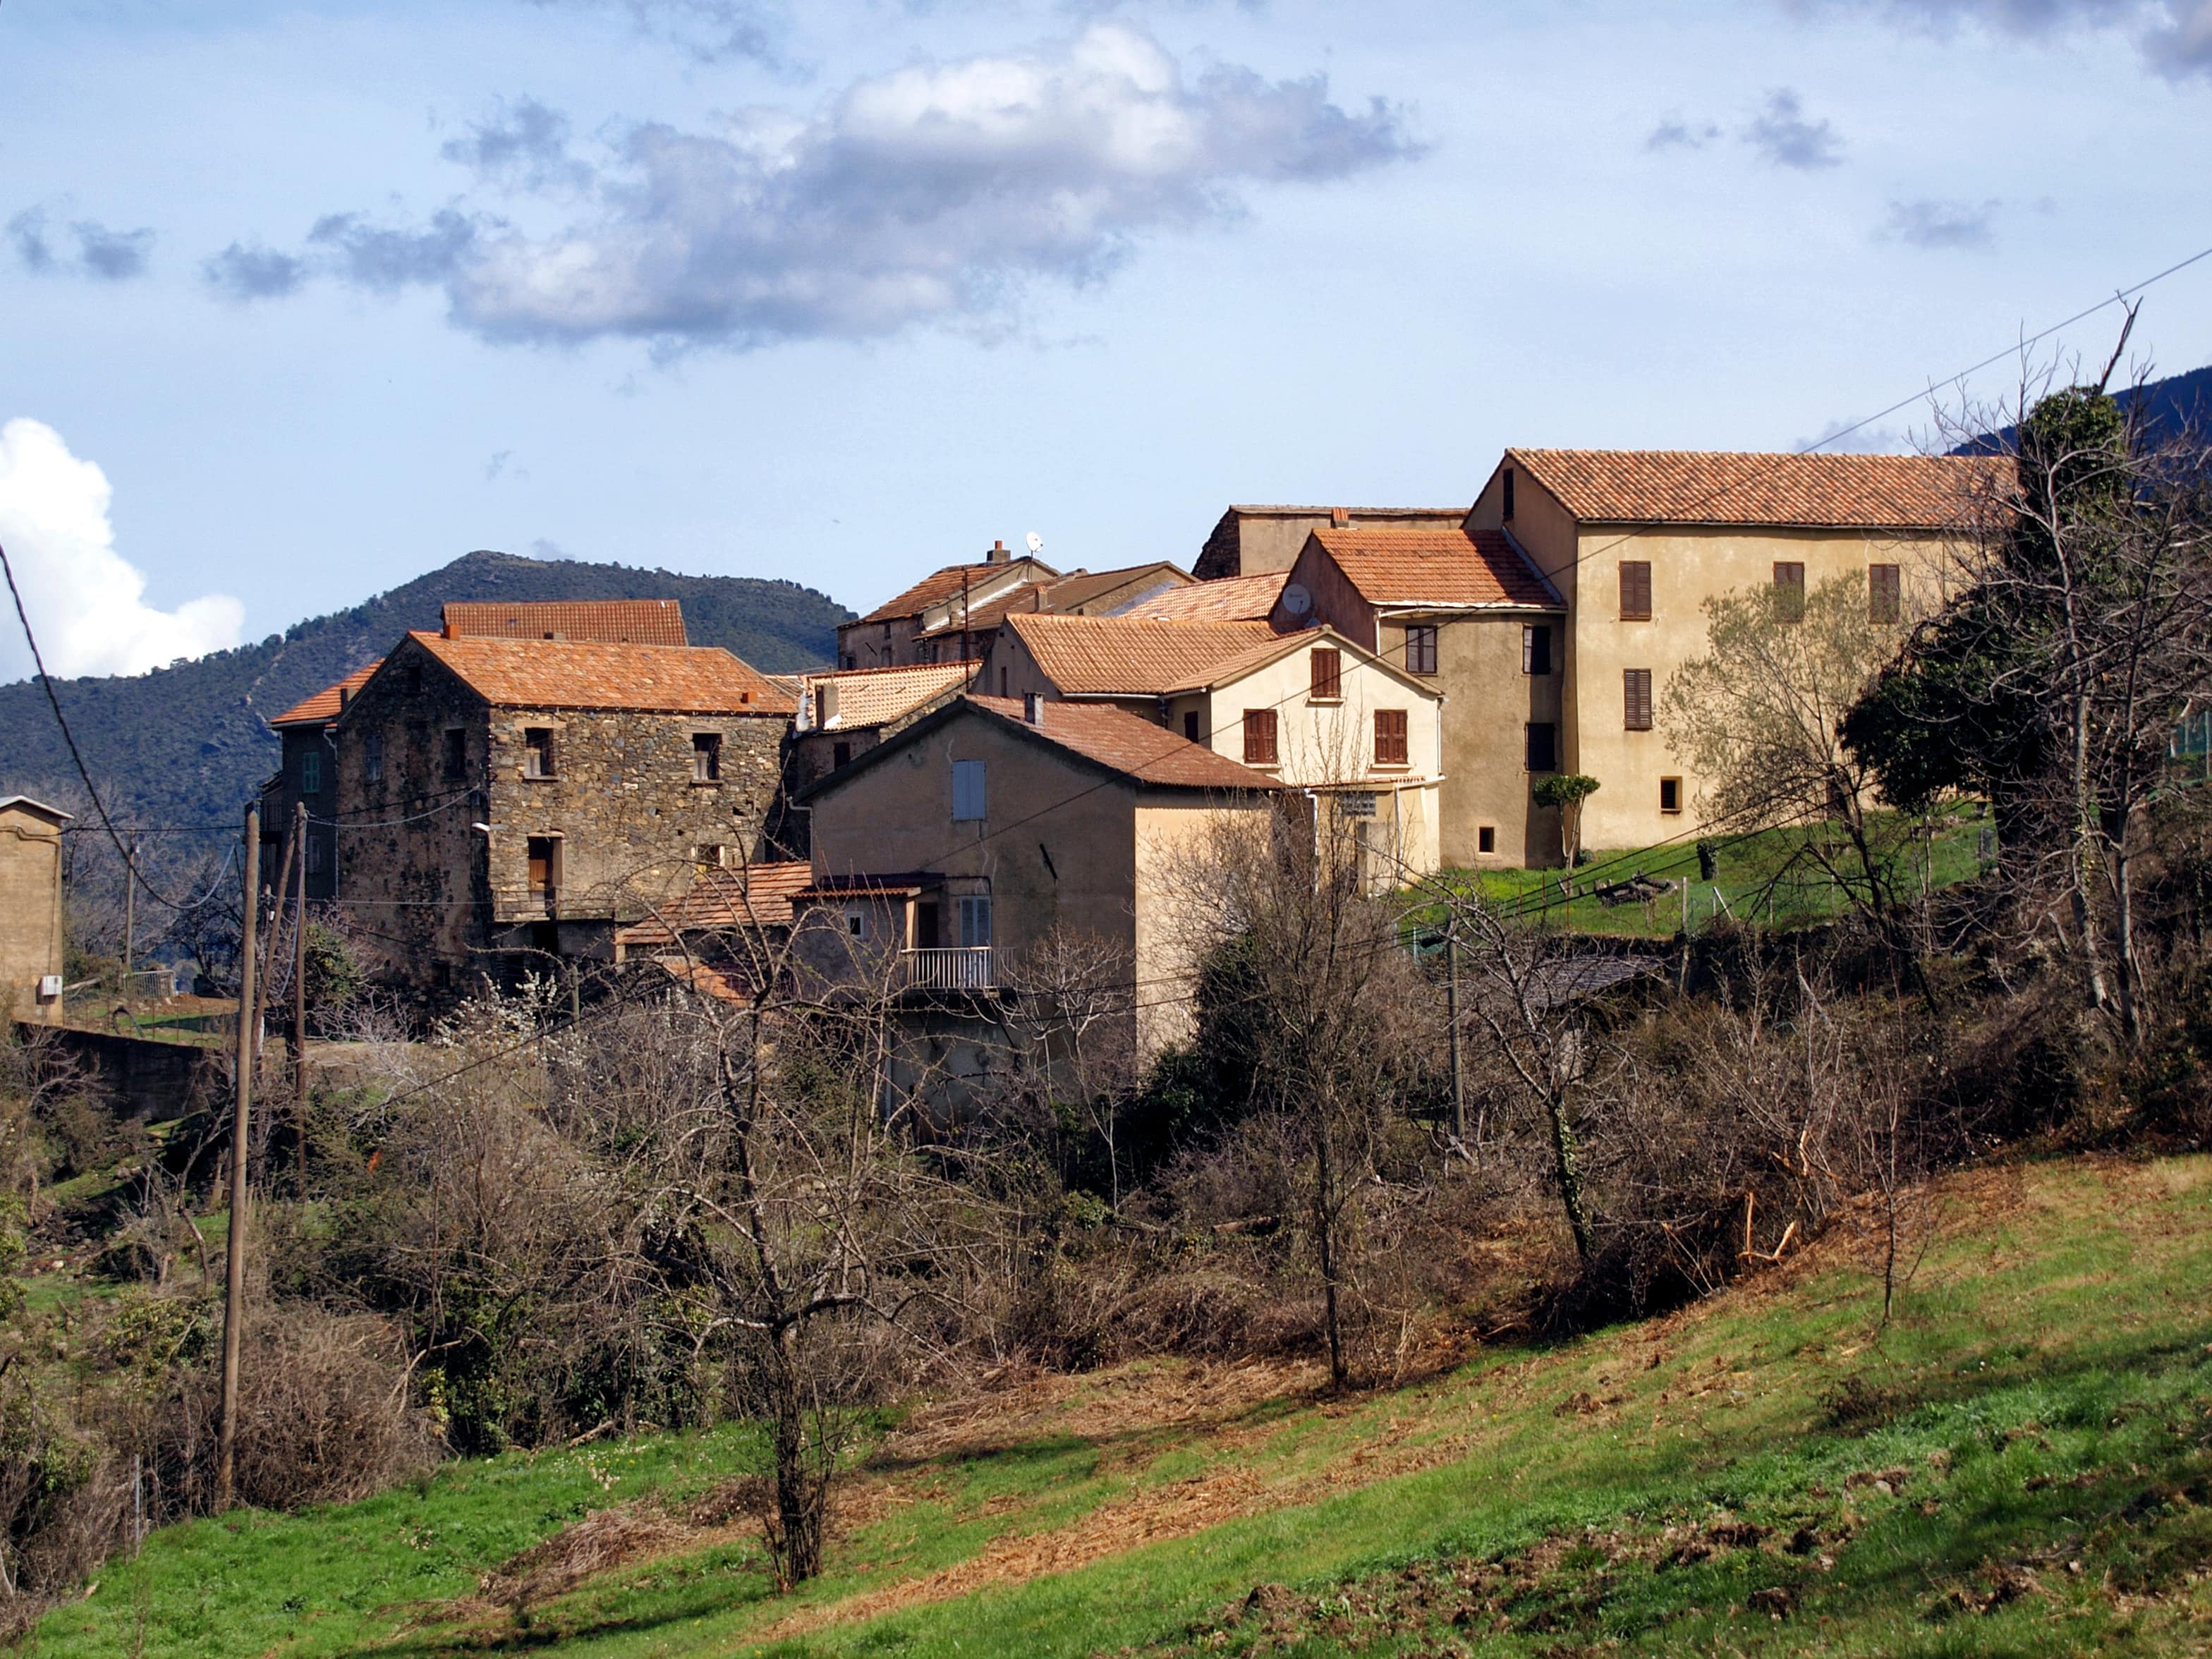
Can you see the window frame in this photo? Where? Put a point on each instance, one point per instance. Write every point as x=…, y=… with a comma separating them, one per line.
x=1262, y=738
x=1325, y=674
x=1421, y=648
x=1790, y=589
x=454, y=763
x=371, y=757
x=311, y=772
x=706, y=758
x=546, y=893
x=1635, y=590
x=1532, y=634
x=1885, y=594
x=1393, y=747
x=538, y=757
x=1550, y=731
x=1674, y=786
x=1486, y=841
x=1635, y=700
x=972, y=797
x=967, y=907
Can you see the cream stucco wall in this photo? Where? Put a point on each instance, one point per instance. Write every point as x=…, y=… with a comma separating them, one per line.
x=30, y=910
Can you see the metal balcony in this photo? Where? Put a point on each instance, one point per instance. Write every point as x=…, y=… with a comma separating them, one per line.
x=966, y=968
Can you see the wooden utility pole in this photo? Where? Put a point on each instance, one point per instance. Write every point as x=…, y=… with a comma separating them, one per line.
x=1452, y=1018
x=129, y=912
x=299, y=1001
x=233, y=1295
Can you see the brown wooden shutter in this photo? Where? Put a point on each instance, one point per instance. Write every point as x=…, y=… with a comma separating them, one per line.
x=1635, y=590
x=1327, y=672
x=1390, y=737
x=1790, y=589
x=1259, y=737
x=1885, y=594
x=1635, y=698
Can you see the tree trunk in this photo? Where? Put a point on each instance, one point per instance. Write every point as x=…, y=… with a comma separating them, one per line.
x=1325, y=1238
x=799, y=1494
x=1566, y=1161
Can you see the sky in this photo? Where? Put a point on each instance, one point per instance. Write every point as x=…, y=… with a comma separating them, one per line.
x=300, y=300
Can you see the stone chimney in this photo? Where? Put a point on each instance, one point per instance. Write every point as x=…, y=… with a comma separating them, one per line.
x=998, y=554
x=1340, y=517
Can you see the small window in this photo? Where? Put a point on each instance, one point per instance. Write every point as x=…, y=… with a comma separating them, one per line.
x=1002, y=682
x=537, y=752
x=1885, y=594
x=1635, y=590
x=1507, y=514
x=311, y=773
x=457, y=753
x=850, y=661
x=1259, y=737
x=1790, y=590
x=1670, y=794
x=544, y=856
x=705, y=756
x=968, y=792
x=975, y=923
x=1190, y=726
x=1328, y=669
x=414, y=681
x=841, y=754
x=314, y=856
x=1543, y=746
x=371, y=757
x=1390, y=737
x=1421, y=648
x=1486, y=838
x=709, y=855
x=1535, y=649
x=1636, y=699
x=856, y=922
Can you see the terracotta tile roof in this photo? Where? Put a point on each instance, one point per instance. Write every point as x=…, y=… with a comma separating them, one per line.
x=986, y=616
x=610, y=622
x=323, y=708
x=872, y=696
x=1122, y=742
x=1232, y=599
x=1084, y=586
x=1818, y=491
x=696, y=679
x=1390, y=565
x=939, y=585
x=1105, y=656
x=750, y=896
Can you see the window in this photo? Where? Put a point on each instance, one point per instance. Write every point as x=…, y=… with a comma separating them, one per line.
x=1790, y=590
x=1543, y=746
x=457, y=753
x=371, y=757
x=1636, y=699
x=1259, y=737
x=414, y=681
x=967, y=792
x=545, y=855
x=1670, y=794
x=1635, y=590
x=850, y=661
x=1421, y=649
x=314, y=856
x=975, y=923
x=705, y=756
x=856, y=922
x=537, y=752
x=1535, y=649
x=1328, y=674
x=709, y=855
x=925, y=927
x=1390, y=737
x=1002, y=682
x=311, y=773
x=841, y=754
x=1507, y=514
x=1190, y=726
x=1486, y=838
x=1885, y=594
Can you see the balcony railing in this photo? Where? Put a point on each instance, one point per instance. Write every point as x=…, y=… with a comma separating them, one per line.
x=967, y=968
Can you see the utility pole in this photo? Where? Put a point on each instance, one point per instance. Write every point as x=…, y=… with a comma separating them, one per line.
x=130, y=911
x=1451, y=1017
x=299, y=1001
x=233, y=1293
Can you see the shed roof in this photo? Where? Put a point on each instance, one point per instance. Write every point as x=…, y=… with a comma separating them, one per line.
x=1108, y=656
x=694, y=679
x=610, y=622
x=323, y=708
x=1392, y=565
x=1232, y=599
x=1818, y=490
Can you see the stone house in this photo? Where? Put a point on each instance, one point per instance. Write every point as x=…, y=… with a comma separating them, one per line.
x=499, y=797
x=31, y=909
x=946, y=855
x=1469, y=616
x=308, y=774
x=1311, y=708
x=1252, y=541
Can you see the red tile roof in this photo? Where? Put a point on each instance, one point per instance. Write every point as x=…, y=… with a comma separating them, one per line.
x=697, y=679
x=323, y=708
x=984, y=617
x=750, y=896
x=1123, y=743
x=872, y=697
x=1389, y=565
x=1815, y=491
x=1081, y=587
x=1232, y=599
x=935, y=588
x=610, y=622
x=1108, y=656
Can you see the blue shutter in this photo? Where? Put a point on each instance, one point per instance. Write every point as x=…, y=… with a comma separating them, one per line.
x=967, y=791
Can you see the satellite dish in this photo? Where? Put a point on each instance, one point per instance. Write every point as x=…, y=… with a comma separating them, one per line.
x=1036, y=542
x=1296, y=600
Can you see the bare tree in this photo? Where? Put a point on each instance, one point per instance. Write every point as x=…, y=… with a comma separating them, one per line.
x=1071, y=1004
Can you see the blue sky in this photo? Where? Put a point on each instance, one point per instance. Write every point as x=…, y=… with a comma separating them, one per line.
x=298, y=300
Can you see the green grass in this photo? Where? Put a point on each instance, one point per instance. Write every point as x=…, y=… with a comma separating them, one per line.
x=2042, y=1398
x=1768, y=875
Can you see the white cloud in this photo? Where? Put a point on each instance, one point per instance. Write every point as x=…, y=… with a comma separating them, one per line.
x=2175, y=35
x=934, y=194
x=86, y=601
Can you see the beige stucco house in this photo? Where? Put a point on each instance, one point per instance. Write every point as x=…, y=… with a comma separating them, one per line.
x=30, y=908
x=1254, y=540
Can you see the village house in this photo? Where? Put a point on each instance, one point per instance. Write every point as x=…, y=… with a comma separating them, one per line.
x=951, y=851
x=501, y=797
x=1311, y=708
x=1254, y=541
x=31, y=909
x=1225, y=599
x=843, y=713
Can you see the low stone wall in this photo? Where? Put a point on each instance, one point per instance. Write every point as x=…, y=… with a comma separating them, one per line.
x=142, y=1077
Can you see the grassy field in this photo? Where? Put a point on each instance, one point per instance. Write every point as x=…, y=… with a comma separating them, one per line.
x=2019, y=1463
x=1768, y=875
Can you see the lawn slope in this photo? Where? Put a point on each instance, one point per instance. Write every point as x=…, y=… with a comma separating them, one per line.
x=2020, y=1461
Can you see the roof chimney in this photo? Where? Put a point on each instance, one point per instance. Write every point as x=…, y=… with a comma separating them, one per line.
x=344, y=696
x=1340, y=517
x=1033, y=707
x=997, y=554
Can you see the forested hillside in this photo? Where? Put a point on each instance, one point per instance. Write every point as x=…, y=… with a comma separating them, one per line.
x=190, y=743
